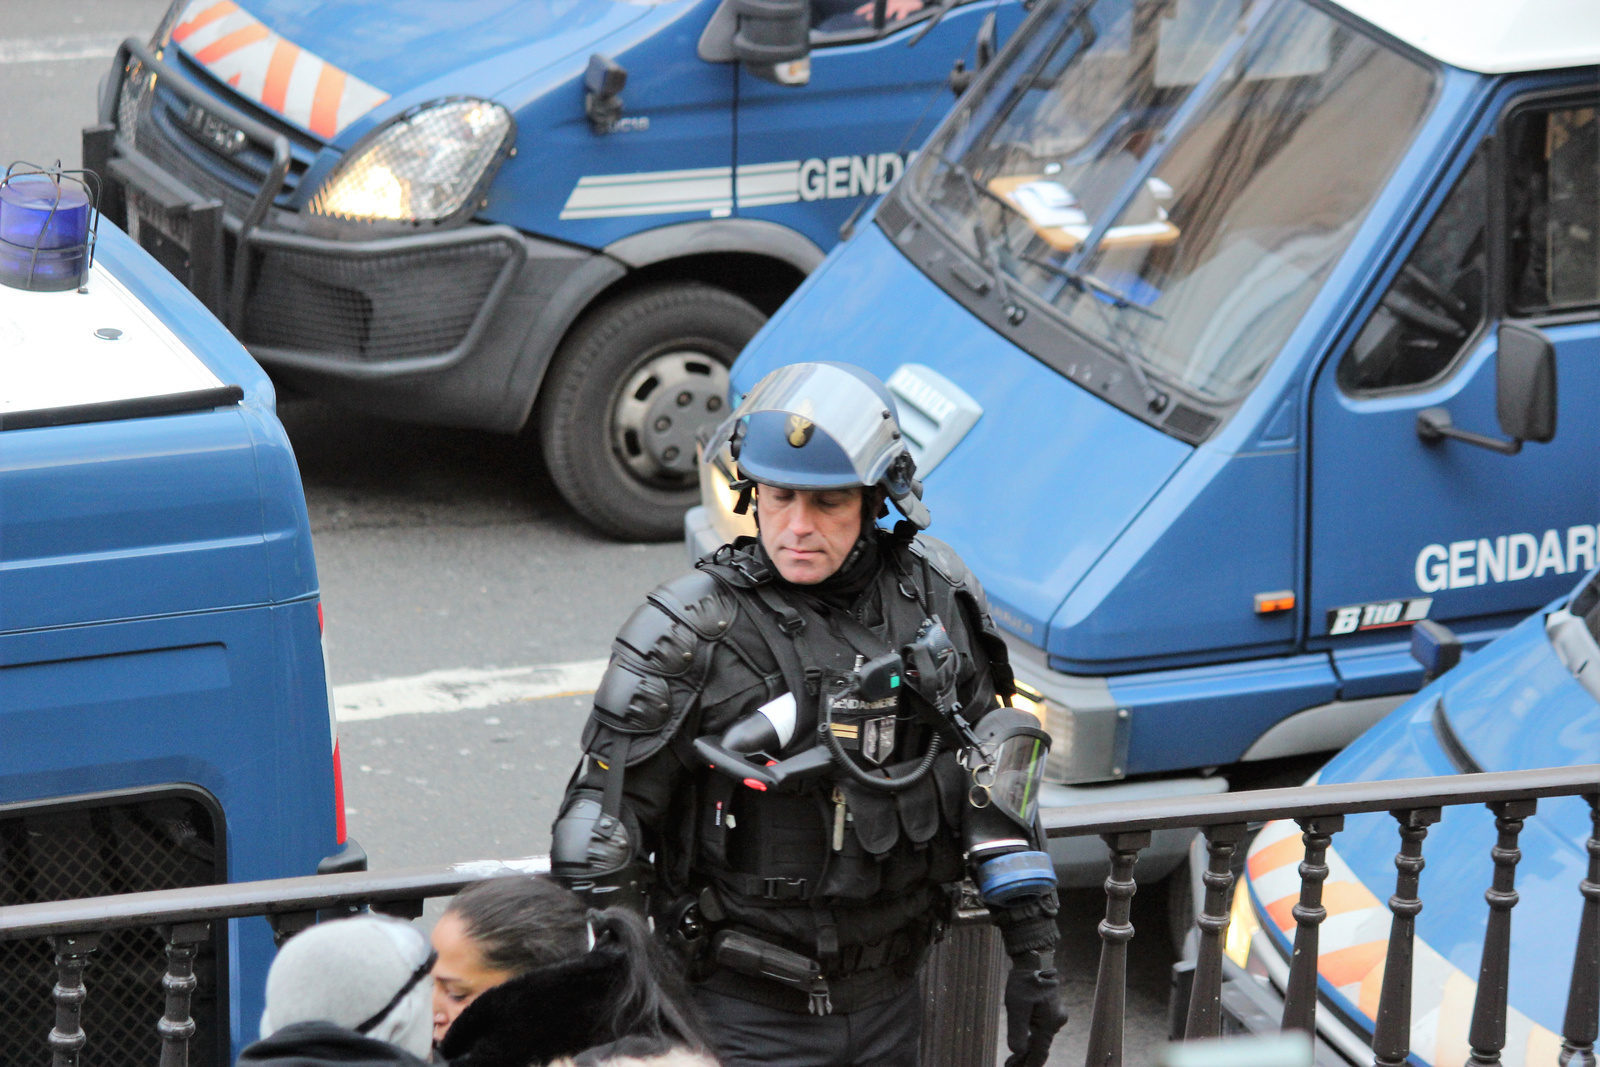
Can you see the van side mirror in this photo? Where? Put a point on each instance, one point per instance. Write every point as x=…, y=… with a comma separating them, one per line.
x=1525, y=394
x=771, y=37
x=1525, y=383
x=985, y=47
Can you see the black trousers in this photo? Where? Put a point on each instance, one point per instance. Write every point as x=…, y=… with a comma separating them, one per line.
x=745, y=1034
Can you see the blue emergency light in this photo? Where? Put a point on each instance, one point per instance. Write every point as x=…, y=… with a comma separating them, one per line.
x=47, y=227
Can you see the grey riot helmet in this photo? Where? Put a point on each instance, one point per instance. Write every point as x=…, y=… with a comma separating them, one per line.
x=823, y=426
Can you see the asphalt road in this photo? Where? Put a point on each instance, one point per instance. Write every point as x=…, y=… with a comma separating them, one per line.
x=455, y=580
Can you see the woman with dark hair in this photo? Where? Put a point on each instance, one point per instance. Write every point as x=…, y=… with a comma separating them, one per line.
x=526, y=975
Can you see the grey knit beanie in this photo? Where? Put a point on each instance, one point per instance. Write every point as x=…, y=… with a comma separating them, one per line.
x=345, y=971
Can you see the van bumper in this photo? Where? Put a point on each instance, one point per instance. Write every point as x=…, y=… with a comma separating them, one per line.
x=1081, y=861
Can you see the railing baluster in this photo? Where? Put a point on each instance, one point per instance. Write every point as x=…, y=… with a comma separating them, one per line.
x=1111, y=983
x=1205, y=998
x=1300, y=999
x=1488, y=1031
x=1582, y=1024
x=177, y=1025
x=1391, y=1037
x=72, y=955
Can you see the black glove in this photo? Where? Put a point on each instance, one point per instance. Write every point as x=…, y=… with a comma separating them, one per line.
x=1034, y=1010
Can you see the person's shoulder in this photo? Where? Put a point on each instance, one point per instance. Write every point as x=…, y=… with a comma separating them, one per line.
x=945, y=561
x=738, y=564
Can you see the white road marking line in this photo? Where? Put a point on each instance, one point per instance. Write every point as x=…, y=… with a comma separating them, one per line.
x=463, y=690
x=60, y=47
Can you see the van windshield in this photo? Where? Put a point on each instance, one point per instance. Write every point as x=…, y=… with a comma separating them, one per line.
x=1174, y=178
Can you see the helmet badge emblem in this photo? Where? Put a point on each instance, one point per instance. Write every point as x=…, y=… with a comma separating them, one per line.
x=800, y=430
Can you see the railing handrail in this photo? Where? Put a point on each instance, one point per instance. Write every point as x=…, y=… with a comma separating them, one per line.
x=274, y=896
x=324, y=891
x=1303, y=801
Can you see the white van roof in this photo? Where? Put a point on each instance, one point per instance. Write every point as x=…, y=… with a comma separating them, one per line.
x=1492, y=36
x=90, y=346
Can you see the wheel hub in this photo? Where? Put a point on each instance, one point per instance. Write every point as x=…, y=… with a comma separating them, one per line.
x=660, y=409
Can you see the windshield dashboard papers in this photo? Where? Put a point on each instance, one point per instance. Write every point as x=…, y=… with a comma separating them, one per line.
x=1058, y=216
x=1048, y=204
x=89, y=356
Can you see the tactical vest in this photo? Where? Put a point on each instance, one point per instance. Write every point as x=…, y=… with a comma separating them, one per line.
x=836, y=865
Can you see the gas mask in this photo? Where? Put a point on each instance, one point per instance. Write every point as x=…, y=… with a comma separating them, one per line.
x=1006, y=768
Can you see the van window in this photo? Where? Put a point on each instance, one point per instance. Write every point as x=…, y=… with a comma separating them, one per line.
x=1172, y=189
x=854, y=19
x=1554, y=196
x=1435, y=304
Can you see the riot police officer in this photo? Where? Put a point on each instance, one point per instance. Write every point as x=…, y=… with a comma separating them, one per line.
x=799, y=750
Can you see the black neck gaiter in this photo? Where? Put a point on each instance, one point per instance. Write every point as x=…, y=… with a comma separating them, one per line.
x=844, y=586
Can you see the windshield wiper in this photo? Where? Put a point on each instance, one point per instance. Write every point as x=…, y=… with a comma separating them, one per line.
x=1117, y=332
x=1085, y=282
x=991, y=249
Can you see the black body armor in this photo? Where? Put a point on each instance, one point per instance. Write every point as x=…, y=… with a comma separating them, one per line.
x=852, y=877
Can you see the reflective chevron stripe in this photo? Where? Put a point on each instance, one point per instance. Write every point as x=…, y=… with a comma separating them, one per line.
x=1354, y=941
x=239, y=49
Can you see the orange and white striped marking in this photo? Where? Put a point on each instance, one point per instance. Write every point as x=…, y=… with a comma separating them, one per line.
x=278, y=74
x=1353, y=945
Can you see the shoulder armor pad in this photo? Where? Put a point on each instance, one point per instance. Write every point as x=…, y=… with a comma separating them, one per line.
x=630, y=700
x=737, y=564
x=944, y=561
x=650, y=683
x=699, y=602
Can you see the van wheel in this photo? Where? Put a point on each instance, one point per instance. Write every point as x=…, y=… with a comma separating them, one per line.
x=629, y=389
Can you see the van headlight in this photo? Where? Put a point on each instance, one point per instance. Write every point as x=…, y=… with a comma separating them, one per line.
x=720, y=498
x=1242, y=926
x=430, y=164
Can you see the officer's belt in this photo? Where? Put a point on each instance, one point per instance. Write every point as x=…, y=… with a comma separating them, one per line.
x=846, y=993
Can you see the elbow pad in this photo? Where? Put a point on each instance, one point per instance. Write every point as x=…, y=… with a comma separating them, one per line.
x=592, y=854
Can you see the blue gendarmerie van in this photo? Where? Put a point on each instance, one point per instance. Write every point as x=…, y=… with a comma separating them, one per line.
x=164, y=709
x=1234, y=338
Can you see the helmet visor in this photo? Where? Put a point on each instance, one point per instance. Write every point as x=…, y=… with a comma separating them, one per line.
x=1018, y=770
x=836, y=402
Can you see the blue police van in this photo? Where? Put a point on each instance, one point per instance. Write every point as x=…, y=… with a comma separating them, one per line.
x=164, y=710
x=1524, y=701
x=1229, y=337
x=503, y=214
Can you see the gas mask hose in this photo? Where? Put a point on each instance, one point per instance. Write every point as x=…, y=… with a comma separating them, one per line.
x=883, y=785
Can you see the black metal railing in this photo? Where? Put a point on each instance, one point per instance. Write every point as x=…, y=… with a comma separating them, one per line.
x=968, y=966
x=1226, y=820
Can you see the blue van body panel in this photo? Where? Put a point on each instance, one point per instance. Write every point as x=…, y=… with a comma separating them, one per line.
x=1512, y=705
x=188, y=533
x=1221, y=530
x=1208, y=716
x=689, y=105
x=159, y=621
x=867, y=305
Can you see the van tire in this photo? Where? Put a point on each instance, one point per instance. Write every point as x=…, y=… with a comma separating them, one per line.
x=627, y=391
